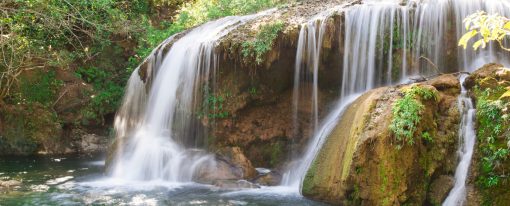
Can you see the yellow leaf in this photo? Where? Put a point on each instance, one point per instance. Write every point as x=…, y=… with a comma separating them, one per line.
x=478, y=44
x=507, y=25
x=466, y=37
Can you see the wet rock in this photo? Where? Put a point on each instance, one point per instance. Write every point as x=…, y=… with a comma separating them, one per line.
x=29, y=129
x=446, y=83
x=489, y=76
x=91, y=143
x=220, y=169
x=9, y=184
x=440, y=188
x=271, y=178
x=234, y=184
x=236, y=157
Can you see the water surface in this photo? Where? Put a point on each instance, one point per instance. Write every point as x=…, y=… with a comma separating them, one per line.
x=74, y=180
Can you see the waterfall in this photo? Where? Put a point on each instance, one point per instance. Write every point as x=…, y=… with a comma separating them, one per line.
x=154, y=123
x=307, y=61
x=467, y=139
x=387, y=42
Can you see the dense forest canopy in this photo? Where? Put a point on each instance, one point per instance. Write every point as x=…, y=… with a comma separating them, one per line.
x=102, y=41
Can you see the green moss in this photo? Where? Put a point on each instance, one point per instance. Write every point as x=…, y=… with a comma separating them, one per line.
x=276, y=154
x=308, y=185
x=263, y=42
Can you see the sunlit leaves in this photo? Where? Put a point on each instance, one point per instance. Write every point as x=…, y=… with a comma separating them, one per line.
x=489, y=27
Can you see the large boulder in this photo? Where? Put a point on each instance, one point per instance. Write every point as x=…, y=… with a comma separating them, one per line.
x=363, y=163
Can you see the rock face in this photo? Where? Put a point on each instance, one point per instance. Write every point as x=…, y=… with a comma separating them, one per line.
x=362, y=163
x=28, y=128
x=230, y=165
x=488, y=182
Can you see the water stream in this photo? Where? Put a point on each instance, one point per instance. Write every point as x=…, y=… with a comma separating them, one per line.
x=467, y=139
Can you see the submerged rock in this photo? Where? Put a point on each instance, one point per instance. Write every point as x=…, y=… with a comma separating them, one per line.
x=234, y=184
x=271, y=178
x=219, y=170
x=362, y=163
x=9, y=185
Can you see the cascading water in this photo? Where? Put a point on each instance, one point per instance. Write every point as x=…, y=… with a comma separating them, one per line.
x=387, y=42
x=467, y=139
x=307, y=61
x=152, y=128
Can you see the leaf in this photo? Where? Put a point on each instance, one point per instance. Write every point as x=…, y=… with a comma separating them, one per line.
x=479, y=43
x=466, y=37
x=507, y=25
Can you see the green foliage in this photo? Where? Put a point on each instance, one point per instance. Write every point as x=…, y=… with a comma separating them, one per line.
x=493, y=123
x=212, y=106
x=489, y=28
x=79, y=35
x=42, y=88
x=426, y=136
x=200, y=11
x=107, y=93
x=407, y=113
x=195, y=13
x=263, y=42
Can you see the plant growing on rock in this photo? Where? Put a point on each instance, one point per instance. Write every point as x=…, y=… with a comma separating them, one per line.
x=263, y=41
x=490, y=27
x=407, y=113
x=493, y=122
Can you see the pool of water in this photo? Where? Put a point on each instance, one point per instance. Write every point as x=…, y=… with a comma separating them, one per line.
x=74, y=180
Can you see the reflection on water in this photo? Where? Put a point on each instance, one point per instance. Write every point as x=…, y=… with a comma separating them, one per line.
x=73, y=180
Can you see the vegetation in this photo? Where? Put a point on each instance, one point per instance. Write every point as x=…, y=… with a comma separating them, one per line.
x=263, y=41
x=102, y=41
x=407, y=114
x=212, y=107
x=489, y=27
x=492, y=136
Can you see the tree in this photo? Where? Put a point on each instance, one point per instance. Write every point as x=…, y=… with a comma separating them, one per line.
x=493, y=27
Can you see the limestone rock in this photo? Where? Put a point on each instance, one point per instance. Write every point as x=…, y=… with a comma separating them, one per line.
x=91, y=143
x=235, y=156
x=9, y=184
x=360, y=163
x=234, y=184
x=219, y=169
x=269, y=179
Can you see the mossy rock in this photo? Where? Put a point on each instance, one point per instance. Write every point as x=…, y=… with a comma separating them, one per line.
x=29, y=128
x=361, y=163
